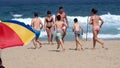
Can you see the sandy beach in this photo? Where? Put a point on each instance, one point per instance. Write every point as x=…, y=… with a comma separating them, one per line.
x=49, y=57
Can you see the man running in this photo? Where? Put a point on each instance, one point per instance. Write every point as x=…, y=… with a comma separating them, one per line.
x=36, y=22
x=64, y=19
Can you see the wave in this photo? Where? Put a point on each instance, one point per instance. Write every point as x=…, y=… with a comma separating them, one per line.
x=43, y=34
x=103, y=36
x=108, y=18
x=27, y=20
x=118, y=28
x=17, y=15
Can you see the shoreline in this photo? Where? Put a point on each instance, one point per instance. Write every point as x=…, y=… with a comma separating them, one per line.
x=68, y=39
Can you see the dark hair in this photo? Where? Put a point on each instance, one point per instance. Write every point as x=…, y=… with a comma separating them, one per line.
x=75, y=20
x=60, y=7
x=35, y=14
x=94, y=11
x=58, y=17
x=48, y=12
x=2, y=67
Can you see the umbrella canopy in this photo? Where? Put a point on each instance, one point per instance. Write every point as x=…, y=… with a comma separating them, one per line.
x=15, y=33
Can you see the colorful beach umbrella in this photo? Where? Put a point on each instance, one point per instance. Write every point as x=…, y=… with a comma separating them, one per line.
x=15, y=33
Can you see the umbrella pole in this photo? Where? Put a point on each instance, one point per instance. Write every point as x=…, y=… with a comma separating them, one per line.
x=87, y=28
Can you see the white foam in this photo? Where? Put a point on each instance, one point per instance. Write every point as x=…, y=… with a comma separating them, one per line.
x=118, y=28
x=27, y=20
x=43, y=33
x=17, y=15
x=104, y=36
x=109, y=19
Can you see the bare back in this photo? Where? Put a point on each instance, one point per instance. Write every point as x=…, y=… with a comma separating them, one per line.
x=76, y=27
x=59, y=25
x=94, y=20
x=36, y=22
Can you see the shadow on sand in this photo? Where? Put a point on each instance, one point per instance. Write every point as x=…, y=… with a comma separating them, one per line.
x=54, y=50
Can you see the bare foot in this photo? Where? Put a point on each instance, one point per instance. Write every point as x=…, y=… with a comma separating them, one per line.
x=40, y=45
x=63, y=50
x=103, y=45
x=35, y=48
x=82, y=49
x=63, y=40
x=76, y=49
x=51, y=43
x=58, y=46
x=93, y=48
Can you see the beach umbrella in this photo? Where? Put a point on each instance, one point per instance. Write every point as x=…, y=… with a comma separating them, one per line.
x=14, y=33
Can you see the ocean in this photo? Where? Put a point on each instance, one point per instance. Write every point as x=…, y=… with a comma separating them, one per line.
x=108, y=11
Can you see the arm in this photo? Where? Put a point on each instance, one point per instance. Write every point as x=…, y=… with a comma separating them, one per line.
x=32, y=23
x=73, y=28
x=45, y=23
x=91, y=20
x=53, y=20
x=41, y=24
x=101, y=21
x=54, y=25
x=66, y=20
x=81, y=29
x=56, y=17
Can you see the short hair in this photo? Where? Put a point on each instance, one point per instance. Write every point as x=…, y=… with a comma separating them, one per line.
x=60, y=7
x=94, y=10
x=35, y=14
x=75, y=20
x=58, y=17
x=48, y=12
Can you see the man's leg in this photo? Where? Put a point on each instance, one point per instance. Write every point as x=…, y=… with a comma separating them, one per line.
x=34, y=43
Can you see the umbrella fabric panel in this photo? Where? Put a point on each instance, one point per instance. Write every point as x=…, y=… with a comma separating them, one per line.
x=20, y=23
x=8, y=38
x=24, y=34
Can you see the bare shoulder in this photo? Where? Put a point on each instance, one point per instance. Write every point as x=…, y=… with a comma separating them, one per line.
x=99, y=17
x=45, y=17
x=62, y=22
x=39, y=20
x=33, y=19
x=91, y=16
x=80, y=26
x=52, y=17
x=58, y=14
x=64, y=13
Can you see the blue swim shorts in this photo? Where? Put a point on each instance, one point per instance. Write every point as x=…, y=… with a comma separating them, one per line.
x=37, y=33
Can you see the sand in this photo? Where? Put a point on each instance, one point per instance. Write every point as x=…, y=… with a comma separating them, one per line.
x=49, y=57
